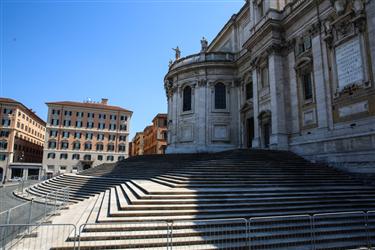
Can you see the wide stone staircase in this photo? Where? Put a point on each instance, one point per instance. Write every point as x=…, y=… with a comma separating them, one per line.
x=227, y=200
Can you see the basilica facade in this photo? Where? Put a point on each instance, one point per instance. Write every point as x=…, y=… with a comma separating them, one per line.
x=283, y=74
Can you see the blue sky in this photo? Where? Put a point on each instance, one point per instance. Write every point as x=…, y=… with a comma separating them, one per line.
x=74, y=50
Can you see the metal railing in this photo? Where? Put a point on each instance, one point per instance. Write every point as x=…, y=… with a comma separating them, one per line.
x=38, y=209
x=344, y=230
x=37, y=236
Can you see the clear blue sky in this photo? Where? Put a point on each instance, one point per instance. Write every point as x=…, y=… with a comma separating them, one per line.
x=74, y=50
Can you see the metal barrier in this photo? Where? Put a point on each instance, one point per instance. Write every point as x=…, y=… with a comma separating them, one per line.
x=346, y=230
x=37, y=236
x=124, y=235
x=286, y=232
x=210, y=234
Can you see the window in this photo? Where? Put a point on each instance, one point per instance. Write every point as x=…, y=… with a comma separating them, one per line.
x=112, y=126
x=186, y=99
x=100, y=137
x=63, y=168
x=102, y=116
x=3, y=157
x=113, y=117
x=220, y=96
x=64, y=156
x=64, y=145
x=101, y=125
x=110, y=147
x=100, y=157
x=264, y=77
x=89, y=136
x=67, y=123
x=75, y=157
x=120, y=158
x=54, y=122
x=79, y=114
x=110, y=158
x=261, y=9
x=87, y=157
x=51, y=156
x=123, y=127
x=67, y=113
x=65, y=134
x=122, y=138
x=53, y=133
x=79, y=124
x=111, y=137
x=90, y=124
x=5, y=122
x=122, y=148
x=307, y=86
x=76, y=146
x=88, y=146
x=303, y=44
x=99, y=147
x=249, y=90
x=90, y=115
x=123, y=118
x=51, y=168
x=52, y=144
x=77, y=135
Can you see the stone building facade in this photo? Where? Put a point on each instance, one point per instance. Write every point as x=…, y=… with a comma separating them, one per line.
x=22, y=135
x=284, y=74
x=82, y=135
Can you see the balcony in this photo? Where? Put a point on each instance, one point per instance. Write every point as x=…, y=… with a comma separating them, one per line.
x=203, y=57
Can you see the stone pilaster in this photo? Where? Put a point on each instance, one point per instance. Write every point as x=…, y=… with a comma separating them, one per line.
x=279, y=138
x=256, y=140
x=294, y=102
x=319, y=80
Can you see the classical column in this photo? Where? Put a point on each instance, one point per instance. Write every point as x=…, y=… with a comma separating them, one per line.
x=319, y=80
x=279, y=138
x=256, y=139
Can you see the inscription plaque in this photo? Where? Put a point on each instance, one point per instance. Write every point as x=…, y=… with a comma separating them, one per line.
x=349, y=63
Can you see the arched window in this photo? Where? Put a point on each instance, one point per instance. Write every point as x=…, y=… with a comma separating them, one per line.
x=186, y=99
x=220, y=96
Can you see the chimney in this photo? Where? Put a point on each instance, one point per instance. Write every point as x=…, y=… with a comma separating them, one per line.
x=104, y=101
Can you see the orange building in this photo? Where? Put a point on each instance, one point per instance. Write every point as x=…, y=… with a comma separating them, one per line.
x=153, y=140
x=137, y=144
x=21, y=140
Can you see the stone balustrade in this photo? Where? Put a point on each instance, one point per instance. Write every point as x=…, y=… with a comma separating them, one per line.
x=203, y=57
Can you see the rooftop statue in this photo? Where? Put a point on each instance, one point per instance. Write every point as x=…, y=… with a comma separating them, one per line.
x=204, y=44
x=178, y=52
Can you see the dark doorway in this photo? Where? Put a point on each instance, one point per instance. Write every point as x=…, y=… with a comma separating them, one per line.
x=86, y=166
x=1, y=174
x=266, y=135
x=250, y=131
x=33, y=174
x=17, y=172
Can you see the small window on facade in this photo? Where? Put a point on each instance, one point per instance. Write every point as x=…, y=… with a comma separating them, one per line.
x=220, y=96
x=75, y=156
x=87, y=157
x=307, y=86
x=100, y=157
x=249, y=90
x=63, y=156
x=186, y=99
